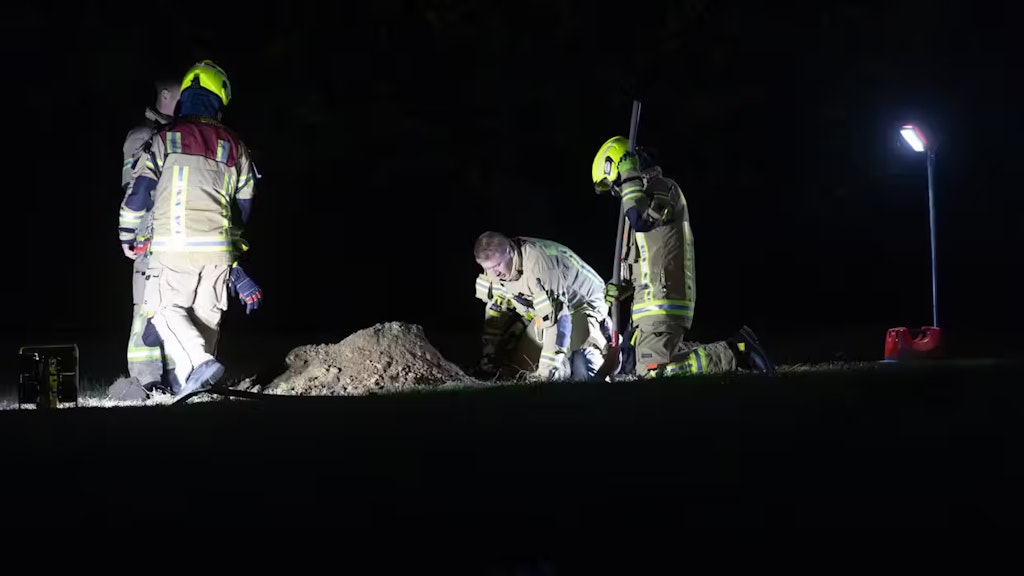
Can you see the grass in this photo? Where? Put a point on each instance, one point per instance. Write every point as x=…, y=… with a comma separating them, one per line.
x=93, y=391
x=826, y=449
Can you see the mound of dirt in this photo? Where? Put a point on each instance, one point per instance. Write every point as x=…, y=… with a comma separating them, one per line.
x=382, y=359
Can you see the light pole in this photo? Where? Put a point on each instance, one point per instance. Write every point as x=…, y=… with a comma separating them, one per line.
x=916, y=139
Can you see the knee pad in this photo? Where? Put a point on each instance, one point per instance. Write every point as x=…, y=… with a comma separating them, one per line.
x=150, y=337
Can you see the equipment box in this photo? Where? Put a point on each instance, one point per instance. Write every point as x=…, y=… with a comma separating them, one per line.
x=48, y=375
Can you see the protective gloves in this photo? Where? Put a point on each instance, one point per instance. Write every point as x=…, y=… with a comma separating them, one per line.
x=616, y=292
x=629, y=166
x=239, y=244
x=242, y=287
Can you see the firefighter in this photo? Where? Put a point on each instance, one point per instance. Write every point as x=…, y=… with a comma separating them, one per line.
x=658, y=274
x=195, y=243
x=147, y=364
x=510, y=351
x=540, y=296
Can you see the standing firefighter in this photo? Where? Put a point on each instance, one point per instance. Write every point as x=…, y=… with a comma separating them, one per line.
x=194, y=173
x=658, y=271
x=147, y=364
x=539, y=293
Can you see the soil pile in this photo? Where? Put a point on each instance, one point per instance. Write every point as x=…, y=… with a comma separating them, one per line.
x=382, y=359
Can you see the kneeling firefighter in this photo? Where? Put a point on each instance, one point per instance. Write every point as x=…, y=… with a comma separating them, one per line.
x=658, y=274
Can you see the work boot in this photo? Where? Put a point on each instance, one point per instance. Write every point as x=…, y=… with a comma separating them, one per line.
x=152, y=387
x=205, y=375
x=749, y=352
x=169, y=383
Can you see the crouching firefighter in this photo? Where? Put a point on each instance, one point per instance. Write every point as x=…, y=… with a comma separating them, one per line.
x=509, y=350
x=545, y=312
x=658, y=272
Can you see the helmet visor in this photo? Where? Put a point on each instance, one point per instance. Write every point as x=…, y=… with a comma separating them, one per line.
x=606, y=186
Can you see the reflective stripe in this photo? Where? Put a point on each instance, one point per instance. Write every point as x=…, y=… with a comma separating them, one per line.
x=695, y=363
x=486, y=290
x=645, y=268
x=127, y=218
x=631, y=191
x=174, y=142
x=542, y=306
x=244, y=182
x=222, y=151
x=179, y=196
x=193, y=244
x=583, y=267
x=550, y=360
x=225, y=198
x=542, y=310
x=141, y=352
x=144, y=354
x=631, y=196
x=225, y=201
x=483, y=289
x=555, y=249
x=662, y=308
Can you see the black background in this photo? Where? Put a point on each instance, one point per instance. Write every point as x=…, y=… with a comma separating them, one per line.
x=391, y=135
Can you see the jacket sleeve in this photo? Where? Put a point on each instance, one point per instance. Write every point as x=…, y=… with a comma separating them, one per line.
x=246, y=187
x=499, y=318
x=634, y=201
x=646, y=208
x=131, y=152
x=550, y=297
x=139, y=198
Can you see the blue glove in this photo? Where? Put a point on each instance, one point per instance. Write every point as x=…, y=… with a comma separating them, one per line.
x=244, y=288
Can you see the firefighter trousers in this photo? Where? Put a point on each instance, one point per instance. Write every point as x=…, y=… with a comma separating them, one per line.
x=145, y=362
x=187, y=301
x=662, y=351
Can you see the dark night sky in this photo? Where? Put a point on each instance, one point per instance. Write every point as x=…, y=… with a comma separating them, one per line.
x=389, y=137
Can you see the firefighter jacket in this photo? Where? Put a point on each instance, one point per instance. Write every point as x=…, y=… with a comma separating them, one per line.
x=659, y=262
x=134, y=145
x=194, y=171
x=547, y=279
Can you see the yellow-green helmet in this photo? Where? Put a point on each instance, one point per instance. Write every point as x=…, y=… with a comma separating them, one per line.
x=209, y=76
x=606, y=164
